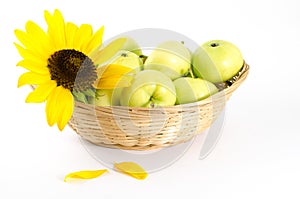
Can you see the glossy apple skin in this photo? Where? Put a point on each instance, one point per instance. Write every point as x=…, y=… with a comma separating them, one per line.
x=150, y=89
x=171, y=58
x=106, y=97
x=190, y=90
x=217, y=61
x=116, y=96
x=132, y=45
x=102, y=98
x=129, y=59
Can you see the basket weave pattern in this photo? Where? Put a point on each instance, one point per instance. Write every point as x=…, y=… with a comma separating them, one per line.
x=135, y=128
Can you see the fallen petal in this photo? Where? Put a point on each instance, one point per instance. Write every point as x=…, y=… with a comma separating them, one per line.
x=87, y=174
x=132, y=169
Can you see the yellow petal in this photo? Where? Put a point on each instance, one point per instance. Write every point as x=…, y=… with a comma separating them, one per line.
x=25, y=53
x=83, y=36
x=65, y=106
x=31, y=44
x=87, y=174
x=113, y=76
x=112, y=70
x=96, y=40
x=132, y=169
x=56, y=29
x=34, y=66
x=33, y=78
x=71, y=30
x=29, y=55
x=34, y=30
x=39, y=38
x=108, y=52
x=41, y=92
x=24, y=38
x=113, y=82
x=52, y=112
x=59, y=107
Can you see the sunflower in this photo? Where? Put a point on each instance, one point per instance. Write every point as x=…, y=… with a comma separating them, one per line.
x=61, y=61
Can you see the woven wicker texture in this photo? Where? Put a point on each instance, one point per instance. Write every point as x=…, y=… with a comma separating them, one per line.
x=135, y=128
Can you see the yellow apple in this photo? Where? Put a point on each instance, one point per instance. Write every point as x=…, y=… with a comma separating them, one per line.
x=217, y=61
x=171, y=58
x=128, y=59
x=149, y=88
x=102, y=98
x=190, y=90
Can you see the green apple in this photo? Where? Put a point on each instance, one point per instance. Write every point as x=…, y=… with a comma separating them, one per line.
x=171, y=58
x=132, y=45
x=190, y=90
x=102, y=98
x=149, y=88
x=106, y=97
x=116, y=96
x=129, y=59
x=125, y=43
x=217, y=61
x=102, y=55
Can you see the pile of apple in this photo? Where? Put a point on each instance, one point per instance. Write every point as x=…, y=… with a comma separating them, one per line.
x=172, y=75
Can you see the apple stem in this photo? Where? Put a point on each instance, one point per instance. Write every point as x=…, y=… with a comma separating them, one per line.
x=143, y=57
x=214, y=44
x=191, y=72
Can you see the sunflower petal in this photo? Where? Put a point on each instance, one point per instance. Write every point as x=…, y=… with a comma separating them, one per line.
x=22, y=37
x=107, y=52
x=32, y=78
x=87, y=174
x=56, y=29
x=34, y=30
x=114, y=82
x=51, y=107
x=30, y=43
x=29, y=55
x=33, y=66
x=25, y=40
x=83, y=36
x=24, y=52
x=39, y=38
x=112, y=70
x=71, y=30
x=132, y=169
x=66, y=107
x=41, y=92
x=96, y=40
x=113, y=76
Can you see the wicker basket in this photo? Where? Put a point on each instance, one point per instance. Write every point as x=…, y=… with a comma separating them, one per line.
x=135, y=128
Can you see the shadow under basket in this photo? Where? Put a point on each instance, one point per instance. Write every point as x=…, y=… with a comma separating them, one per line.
x=136, y=128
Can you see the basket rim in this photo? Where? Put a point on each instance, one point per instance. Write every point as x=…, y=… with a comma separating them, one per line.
x=244, y=73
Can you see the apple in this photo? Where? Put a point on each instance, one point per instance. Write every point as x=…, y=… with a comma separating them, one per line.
x=171, y=58
x=129, y=59
x=102, y=97
x=132, y=45
x=217, y=61
x=106, y=97
x=149, y=88
x=190, y=90
x=102, y=55
x=116, y=96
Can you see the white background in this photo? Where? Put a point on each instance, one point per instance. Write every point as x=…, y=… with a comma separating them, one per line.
x=258, y=155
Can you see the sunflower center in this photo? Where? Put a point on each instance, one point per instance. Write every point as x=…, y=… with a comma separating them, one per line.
x=72, y=69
